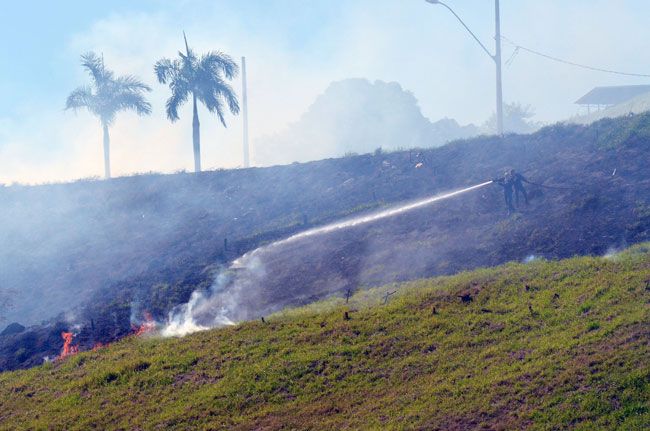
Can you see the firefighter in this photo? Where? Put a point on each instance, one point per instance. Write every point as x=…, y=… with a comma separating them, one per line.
x=517, y=182
x=508, y=187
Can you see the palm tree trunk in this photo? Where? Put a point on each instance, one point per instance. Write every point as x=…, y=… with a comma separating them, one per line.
x=196, y=138
x=107, y=153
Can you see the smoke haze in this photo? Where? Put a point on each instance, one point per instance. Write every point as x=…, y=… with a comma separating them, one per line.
x=294, y=53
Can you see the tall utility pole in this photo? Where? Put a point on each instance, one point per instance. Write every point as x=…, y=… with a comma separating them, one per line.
x=244, y=96
x=497, y=60
x=496, y=57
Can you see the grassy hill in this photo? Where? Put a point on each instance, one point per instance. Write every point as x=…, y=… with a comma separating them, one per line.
x=546, y=345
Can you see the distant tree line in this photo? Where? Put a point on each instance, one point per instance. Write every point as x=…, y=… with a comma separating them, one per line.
x=203, y=78
x=517, y=119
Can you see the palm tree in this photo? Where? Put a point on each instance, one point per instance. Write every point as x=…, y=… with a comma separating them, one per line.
x=106, y=96
x=203, y=78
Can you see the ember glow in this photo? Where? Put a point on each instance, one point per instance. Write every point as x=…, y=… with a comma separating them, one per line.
x=149, y=325
x=68, y=349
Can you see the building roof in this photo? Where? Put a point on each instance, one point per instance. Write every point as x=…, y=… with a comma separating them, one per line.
x=612, y=95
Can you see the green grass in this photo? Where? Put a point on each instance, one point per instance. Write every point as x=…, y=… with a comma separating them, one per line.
x=542, y=346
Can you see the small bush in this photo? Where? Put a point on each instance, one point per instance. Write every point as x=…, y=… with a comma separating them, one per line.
x=593, y=326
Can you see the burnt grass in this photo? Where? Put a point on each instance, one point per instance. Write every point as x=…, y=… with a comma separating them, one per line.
x=548, y=345
x=91, y=256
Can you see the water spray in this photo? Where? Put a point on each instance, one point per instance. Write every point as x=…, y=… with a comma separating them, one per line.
x=220, y=305
x=359, y=220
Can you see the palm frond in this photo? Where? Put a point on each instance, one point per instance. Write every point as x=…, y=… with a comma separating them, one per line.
x=95, y=67
x=130, y=83
x=213, y=86
x=166, y=69
x=212, y=102
x=81, y=97
x=227, y=92
x=180, y=94
x=131, y=100
x=217, y=62
x=213, y=83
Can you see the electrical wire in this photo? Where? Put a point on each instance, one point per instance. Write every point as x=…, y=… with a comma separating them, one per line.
x=512, y=57
x=570, y=63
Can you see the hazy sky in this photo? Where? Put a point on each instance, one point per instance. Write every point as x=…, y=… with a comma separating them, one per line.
x=294, y=49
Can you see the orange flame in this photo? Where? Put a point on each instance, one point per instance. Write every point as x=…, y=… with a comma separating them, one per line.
x=147, y=326
x=68, y=349
x=99, y=345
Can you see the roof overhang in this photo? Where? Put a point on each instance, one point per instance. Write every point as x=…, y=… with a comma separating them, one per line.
x=612, y=95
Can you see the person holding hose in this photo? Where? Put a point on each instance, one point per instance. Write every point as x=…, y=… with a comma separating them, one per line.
x=508, y=187
x=517, y=183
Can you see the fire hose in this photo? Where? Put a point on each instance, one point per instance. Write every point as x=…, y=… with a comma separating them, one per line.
x=497, y=180
x=549, y=187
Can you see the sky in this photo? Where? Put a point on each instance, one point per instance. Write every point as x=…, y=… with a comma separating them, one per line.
x=294, y=49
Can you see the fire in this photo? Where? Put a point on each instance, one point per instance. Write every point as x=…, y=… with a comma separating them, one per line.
x=147, y=326
x=99, y=345
x=68, y=349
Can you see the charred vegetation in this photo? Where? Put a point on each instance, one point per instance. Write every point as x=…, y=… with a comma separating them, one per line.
x=95, y=254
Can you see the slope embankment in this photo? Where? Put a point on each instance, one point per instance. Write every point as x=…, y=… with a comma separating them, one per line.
x=540, y=346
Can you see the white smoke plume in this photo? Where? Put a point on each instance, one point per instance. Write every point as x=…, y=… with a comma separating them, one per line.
x=612, y=253
x=531, y=258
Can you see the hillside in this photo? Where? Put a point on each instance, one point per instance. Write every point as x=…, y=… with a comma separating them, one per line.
x=93, y=256
x=540, y=346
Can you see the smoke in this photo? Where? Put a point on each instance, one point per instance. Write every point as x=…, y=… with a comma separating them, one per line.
x=203, y=311
x=374, y=115
x=62, y=245
x=612, y=252
x=236, y=293
x=303, y=49
x=531, y=258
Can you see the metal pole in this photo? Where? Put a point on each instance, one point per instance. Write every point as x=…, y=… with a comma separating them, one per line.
x=496, y=57
x=497, y=60
x=245, y=112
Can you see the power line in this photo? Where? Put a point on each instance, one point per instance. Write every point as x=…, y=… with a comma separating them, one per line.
x=570, y=63
x=512, y=57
